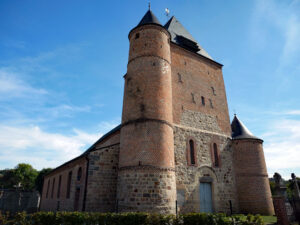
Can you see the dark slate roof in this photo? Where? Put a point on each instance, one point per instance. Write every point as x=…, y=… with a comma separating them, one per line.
x=102, y=138
x=240, y=131
x=90, y=148
x=182, y=37
x=149, y=18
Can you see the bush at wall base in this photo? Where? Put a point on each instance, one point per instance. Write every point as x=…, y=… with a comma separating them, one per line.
x=84, y=218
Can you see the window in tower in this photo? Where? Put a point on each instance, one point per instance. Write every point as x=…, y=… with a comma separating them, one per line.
x=202, y=100
x=137, y=35
x=211, y=104
x=191, y=153
x=216, y=157
x=193, y=97
x=179, y=78
x=213, y=91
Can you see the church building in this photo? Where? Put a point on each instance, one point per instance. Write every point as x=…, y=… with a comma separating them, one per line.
x=175, y=150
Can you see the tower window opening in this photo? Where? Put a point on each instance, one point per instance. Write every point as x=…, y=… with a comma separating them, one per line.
x=192, y=152
x=69, y=184
x=216, y=156
x=193, y=97
x=213, y=91
x=202, y=100
x=179, y=78
x=137, y=35
x=52, y=191
x=211, y=104
x=79, y=174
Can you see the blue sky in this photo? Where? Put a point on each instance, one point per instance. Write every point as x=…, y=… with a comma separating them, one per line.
x=62, y=65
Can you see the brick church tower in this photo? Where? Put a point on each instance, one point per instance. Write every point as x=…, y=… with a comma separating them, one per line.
x=146, y=179
x=175, y=150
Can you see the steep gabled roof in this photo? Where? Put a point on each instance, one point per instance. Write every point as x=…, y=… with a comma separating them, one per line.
x=240, y=131
x=149, y=18
x=84, y=154
x=183, y=38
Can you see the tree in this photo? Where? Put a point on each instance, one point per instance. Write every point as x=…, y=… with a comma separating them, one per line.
x=40, y=179
x=25, y=175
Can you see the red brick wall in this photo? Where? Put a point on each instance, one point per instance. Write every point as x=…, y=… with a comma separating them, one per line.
x=252, y=181
x=197, y=77
x=65, y=204
x=147, y=135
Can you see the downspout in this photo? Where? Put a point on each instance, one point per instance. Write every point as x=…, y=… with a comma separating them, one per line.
x=86, y=181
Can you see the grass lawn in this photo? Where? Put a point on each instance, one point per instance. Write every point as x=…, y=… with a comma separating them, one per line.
x=269, y=219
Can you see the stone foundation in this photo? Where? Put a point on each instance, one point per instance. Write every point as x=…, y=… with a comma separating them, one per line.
x=146, y=189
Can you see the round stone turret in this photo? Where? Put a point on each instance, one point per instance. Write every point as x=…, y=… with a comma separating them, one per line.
x=146, y=180
x=252, y=181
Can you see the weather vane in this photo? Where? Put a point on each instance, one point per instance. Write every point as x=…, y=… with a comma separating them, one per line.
x=167, y=11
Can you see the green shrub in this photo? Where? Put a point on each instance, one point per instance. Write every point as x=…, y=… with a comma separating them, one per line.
x=85, y=218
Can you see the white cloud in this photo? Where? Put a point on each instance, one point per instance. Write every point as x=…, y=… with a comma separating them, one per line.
x=12, y=86
x=282, y=147
x=293, y=112
x=40, y=148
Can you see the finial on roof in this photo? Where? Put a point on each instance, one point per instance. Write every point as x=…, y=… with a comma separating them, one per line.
x=149, y=5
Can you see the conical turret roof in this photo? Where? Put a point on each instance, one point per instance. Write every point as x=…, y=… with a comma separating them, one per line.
x=240, y=131
x=182, y=37
x=149, y=18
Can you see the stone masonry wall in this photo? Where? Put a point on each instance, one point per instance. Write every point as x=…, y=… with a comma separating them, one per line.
x=188, y=176
x=146, y=189
x=102, y=179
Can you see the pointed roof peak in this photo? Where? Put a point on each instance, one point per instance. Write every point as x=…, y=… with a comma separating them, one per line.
x=240, y=131
x=149, y=18
x=180, y=36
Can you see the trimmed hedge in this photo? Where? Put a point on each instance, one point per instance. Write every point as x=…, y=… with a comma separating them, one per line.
x=84, y=218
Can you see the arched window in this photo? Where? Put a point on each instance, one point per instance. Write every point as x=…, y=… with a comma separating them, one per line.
x=48, y=186
x=69, y=184
x=52, y=191
x=58, y=187
x=216, y=155
x=79, y=174
x=192, y=152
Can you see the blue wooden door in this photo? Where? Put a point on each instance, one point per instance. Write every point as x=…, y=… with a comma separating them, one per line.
x=205, y=198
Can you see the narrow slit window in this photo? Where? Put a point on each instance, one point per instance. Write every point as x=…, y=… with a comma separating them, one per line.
x=216, y=156
x=202, y=100
x=79, y=174
x=69, y=184
x=213, y=91
x=53, y=185
x=58, y=187
x=192, y=152
x=211, y=104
